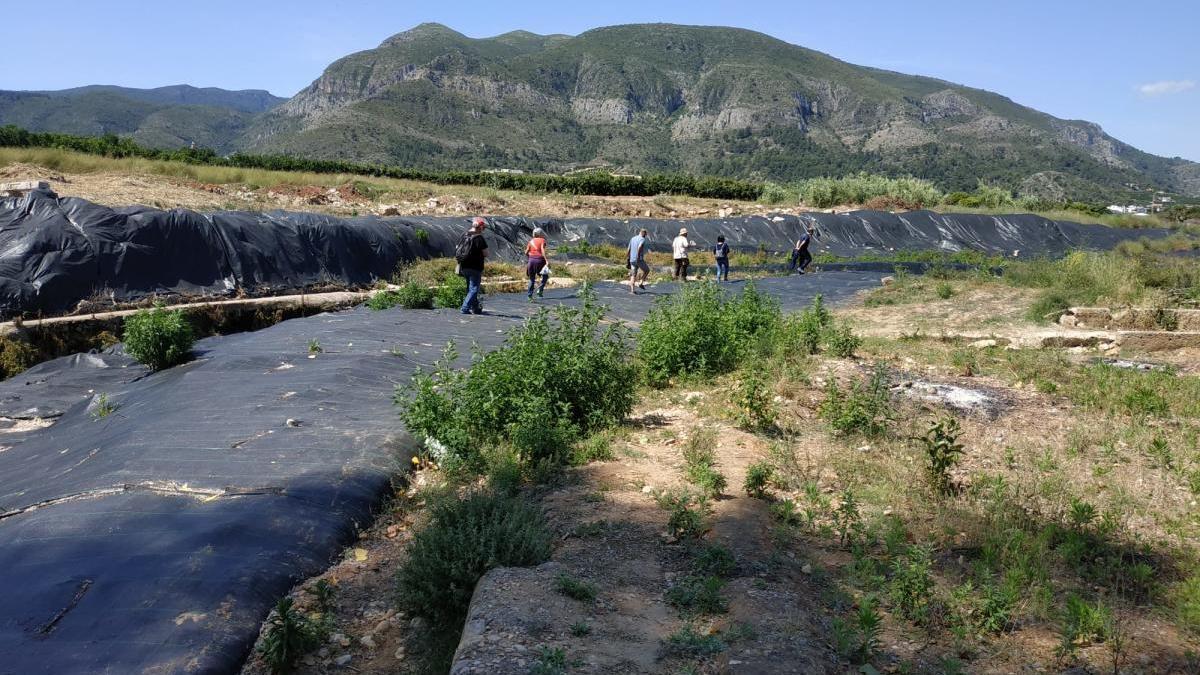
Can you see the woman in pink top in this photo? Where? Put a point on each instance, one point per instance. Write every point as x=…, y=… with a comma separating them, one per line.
x=535, y=253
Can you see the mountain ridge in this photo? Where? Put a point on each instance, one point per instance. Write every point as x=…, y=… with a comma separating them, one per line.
x=671, y=98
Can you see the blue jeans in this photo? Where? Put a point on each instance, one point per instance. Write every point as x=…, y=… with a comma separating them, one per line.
x=722, y=269
x=474, y=279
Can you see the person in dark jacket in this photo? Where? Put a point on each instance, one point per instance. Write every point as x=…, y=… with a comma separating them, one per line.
x=721, y=253
x=800, y=254
x=471, y=253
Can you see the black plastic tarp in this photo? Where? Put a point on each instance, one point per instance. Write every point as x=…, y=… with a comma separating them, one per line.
x=55, y=253
x=156, y=539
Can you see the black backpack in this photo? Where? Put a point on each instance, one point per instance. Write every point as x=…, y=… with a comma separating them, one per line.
x=464, y=248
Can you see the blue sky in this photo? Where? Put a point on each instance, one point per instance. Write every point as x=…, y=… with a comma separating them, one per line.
x=1133, y=67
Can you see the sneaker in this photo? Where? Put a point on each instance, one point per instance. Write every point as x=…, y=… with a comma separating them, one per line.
x=642, y=286
x=540, y=293
x=463, y=311
x=477, y=311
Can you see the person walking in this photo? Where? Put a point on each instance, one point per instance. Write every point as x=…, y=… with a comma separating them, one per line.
x=470, y=254
x=536, y=261
x=636, y=260
x=800, y=254
x=679, y=250
x=721, y=253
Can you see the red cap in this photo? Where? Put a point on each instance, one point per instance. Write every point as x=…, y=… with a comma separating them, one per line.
x=478, y=221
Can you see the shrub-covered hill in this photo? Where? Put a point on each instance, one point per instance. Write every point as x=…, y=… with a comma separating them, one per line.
x=703, y=100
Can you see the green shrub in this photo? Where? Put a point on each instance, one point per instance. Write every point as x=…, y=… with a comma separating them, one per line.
x=574, y=588
x=865, y=408
x=754, y=406
x=702, y=331
x=714, y=560
x=421, y=235
x=410, y=295
x=841, y=341
x=451, y=293
x=550, y=661
x=1186, y=599
x=288, y=636
x=911, y=585
x=695, y=595
x=944, y=291
x=159, y=338
x=594, y=448
x=463, y=539
x=699, y=457
x=687, y=511
x=758, y=479
x=690, y=642
x=558, y=376
x=944, y=452
x=1083, y=623
x=862, y=188
x=774, y=193
x=16, y=357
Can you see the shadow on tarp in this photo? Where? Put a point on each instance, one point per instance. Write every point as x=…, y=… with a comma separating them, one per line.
x=68, y=250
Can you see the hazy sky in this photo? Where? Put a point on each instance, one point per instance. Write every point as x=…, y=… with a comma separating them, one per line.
x=1133, y=67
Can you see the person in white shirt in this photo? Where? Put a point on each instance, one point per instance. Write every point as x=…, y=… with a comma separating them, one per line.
x=679, y=248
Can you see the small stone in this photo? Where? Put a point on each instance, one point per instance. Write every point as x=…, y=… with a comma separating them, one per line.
x=418, y=623
x=336, y=638
x=399, y=655
x=647, y=489
x=382, y=626
x=520, y=648
x=343, y=660
x=983, y=344
x=292, y=422
x=367, y=641
x=887, y=281
x=806, y=569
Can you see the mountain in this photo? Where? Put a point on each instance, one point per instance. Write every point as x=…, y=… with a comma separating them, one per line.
x=684, y=98
x=162, y=117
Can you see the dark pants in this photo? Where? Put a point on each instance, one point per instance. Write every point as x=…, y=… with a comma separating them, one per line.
x=474, y=280
x=681, y=265
x=722, y=269
x=532, y=269
x=801, y=259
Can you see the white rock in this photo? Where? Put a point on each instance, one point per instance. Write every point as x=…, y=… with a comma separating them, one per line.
x=343, y=660
x=982, y=344
x=368, y=641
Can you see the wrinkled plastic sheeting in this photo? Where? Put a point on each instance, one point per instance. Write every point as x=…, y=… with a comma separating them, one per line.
x=55, y=253
x=156, y=539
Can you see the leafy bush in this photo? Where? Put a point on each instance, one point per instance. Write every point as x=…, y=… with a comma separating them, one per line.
x=754, y=407
x=687, y=511
x=944, y=452
x=158, y=337
x=862, y=188
x=698, y=595
x=702, y=331
x=699, y=457
x=865, y=408
x=558, y=376
x=841, y=341
x=463, y=539
x=912, y=584
x=758, y=479
x=574, y=588
x=289, y=635
x=774, y=193
x=859, y=640
x=1083, y=623
x=15, y=357
x=421, y=235
x=451, y=293
x=691, y=642
x=714, y=560
x=410, y=295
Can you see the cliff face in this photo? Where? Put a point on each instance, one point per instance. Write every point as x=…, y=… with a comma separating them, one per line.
x=682, y=98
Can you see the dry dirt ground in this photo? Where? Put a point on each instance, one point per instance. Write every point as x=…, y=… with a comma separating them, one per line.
x=790, y=583
x=395, y=198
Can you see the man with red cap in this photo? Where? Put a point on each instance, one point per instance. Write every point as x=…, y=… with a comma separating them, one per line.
x=470, y=254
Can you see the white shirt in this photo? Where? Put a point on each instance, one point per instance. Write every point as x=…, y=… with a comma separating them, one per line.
x=681, y=246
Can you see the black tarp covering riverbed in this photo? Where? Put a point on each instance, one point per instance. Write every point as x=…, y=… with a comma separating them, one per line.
x=155, y=539
x=55, y=253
